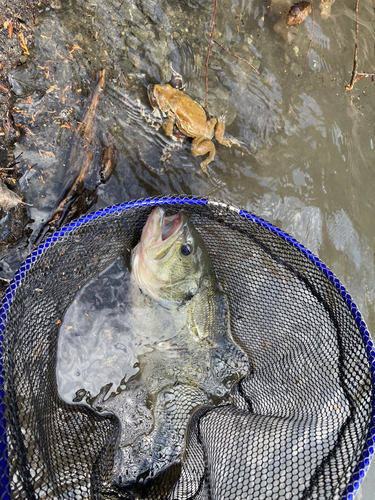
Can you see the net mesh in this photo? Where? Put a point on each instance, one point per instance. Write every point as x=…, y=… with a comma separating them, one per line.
x=301, y=423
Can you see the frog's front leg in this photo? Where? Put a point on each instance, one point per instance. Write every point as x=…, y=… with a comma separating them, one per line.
x=219, y=133
x=152, y=119
x=201, y=146
x=168, y=126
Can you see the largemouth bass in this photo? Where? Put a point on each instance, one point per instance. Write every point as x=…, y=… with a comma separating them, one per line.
x=171, y=265
x=200, y=363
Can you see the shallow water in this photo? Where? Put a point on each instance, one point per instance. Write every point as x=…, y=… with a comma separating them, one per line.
x=307, y=148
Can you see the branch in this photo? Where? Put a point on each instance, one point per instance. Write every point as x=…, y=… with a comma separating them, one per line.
x=238, y=57
x=227, y=51
x=208, y=52
x=355, y=63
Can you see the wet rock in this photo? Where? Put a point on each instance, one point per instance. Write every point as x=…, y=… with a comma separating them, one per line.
x=142, y=34
x=23, y=81
x=296, y=69
x=8, y=199
x=281, y=29
x=132, y=42
x=281, y=8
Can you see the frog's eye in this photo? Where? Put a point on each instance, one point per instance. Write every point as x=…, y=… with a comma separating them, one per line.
x=185, y=250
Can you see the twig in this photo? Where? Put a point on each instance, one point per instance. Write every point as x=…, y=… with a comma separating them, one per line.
x=362, y=75
x=126, y=81
x=208, y=52
x=355, y=64
x=227, y=51
x=238, y=57
x=81, y=154
x=311, y=38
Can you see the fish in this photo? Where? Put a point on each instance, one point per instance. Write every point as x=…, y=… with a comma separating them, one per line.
x=200, y=363
x=170, y=261
x=171, y=265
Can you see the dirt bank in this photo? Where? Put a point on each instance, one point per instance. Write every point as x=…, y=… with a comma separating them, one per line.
x=17, y=22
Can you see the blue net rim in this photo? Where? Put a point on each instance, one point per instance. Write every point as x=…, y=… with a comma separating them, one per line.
x=368, y=450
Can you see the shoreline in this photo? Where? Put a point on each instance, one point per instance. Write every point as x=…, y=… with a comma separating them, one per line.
x=17, y=24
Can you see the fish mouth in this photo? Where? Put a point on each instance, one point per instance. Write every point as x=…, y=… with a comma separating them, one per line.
x=163, y=231
x=170, y=224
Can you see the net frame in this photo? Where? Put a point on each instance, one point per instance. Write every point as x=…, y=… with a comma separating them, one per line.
x=169, y=201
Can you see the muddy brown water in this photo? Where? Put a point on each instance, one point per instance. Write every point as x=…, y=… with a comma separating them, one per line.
x=307, y=148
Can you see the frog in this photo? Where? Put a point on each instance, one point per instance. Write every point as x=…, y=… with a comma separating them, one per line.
x=190, y=118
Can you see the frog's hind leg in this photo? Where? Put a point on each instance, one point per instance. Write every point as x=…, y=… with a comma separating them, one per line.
x=200, y=147
x=219, y=133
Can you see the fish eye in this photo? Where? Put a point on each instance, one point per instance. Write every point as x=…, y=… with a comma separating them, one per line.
x=185, y=250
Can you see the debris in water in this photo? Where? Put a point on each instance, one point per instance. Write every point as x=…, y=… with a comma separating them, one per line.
x=9, y=199
x=325, y=8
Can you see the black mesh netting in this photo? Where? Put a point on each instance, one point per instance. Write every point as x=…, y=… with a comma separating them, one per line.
x=299, y=423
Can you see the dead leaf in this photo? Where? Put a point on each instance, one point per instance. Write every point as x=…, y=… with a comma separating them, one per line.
x=61, y=57
x=298, y=13
x=325, y=8
x=108, y=162
x=9, y=199
x=52, y=88
x=23, y=44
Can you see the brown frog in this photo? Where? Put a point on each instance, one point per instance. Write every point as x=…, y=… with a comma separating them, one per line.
x=190, y=118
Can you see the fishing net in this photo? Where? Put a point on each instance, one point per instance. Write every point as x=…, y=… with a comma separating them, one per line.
x=300, y=424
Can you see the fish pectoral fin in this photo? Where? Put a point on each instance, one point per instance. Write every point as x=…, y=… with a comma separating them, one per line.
x=198, y=322
x=198, y=330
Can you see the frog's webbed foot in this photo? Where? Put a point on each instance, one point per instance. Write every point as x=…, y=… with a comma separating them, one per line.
x=222, y=118
x=215, y=184
x=157, y=171
x=166, y=156
x=219, y=133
